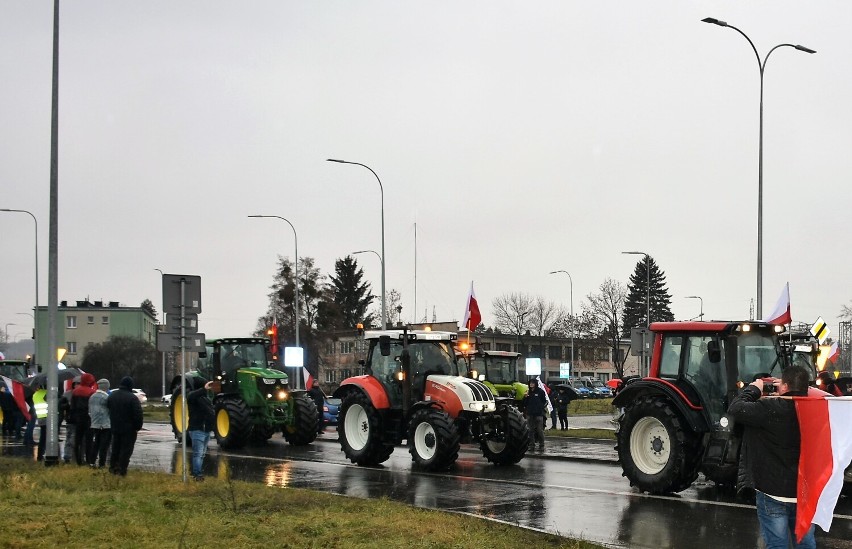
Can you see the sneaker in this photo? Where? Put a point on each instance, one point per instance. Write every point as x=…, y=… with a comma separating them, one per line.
x=198, y=478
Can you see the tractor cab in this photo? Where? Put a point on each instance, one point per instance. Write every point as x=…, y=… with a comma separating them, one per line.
x=498, y=370
x=431, y=353
x=224, y=357
x=14, y=369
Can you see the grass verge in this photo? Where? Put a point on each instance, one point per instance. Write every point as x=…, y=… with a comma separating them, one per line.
x=69, y=506
x=605, y=434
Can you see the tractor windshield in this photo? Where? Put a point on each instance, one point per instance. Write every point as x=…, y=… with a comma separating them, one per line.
x=500, y=370
x=242, y=355
x=758, y=355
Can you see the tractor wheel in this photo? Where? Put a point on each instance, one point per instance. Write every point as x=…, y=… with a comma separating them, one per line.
x=513, y=442
x=433, y=439
x=359, y=430
x=303, y=430
x=233, y=423
x=177, y=419
x=658, y=453
x=261, y=433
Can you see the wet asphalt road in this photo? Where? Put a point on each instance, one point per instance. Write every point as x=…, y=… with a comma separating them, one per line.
x=573, y=489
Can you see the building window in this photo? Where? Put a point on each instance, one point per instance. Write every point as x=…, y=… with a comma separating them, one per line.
x=90, y=320
x=104, y=320
x=345, y=347
x=507, y=347
x=329, y=376
x=71, y=347
x=587, y=353
x=70, y=321
x=601, y=354
x=485, y=346
x=345, y=373
x=554, y=351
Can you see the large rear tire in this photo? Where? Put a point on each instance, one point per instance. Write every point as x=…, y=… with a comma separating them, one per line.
x=233, y=423
x=177, y=419
x=433, y=439
x=359, y=430
x=658, y=453
x=304, y=428
x=510, y=444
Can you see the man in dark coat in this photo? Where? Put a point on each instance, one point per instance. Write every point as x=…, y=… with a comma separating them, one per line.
x=561, y=405
x=773, y=441
x=535, y=410
x=125, y=418
x=201, y=417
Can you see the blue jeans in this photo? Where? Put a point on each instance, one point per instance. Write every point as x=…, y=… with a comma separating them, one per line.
x=778, y=523
x=199, y=449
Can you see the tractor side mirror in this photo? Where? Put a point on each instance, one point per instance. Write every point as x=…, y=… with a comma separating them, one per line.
x=481, y=377
x=714, y=353
x=384, y=345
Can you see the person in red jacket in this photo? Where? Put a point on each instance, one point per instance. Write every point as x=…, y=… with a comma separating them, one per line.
x=80, y=412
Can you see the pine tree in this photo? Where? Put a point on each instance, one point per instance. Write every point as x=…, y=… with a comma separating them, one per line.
x=350, y=297
x=635, y=307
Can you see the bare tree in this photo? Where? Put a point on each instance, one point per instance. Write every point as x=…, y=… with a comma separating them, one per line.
x=846, y=312
x=543, y=316
x=511, y=313
x=605, y=310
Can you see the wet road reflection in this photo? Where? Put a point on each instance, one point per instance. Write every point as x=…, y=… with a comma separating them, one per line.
x=587, y=500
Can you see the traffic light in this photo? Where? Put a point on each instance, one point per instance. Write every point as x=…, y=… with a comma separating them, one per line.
x=272, y=334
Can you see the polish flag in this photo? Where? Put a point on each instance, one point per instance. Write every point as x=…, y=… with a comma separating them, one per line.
x=826, y=452
x=472, y=318
x=781, y=313
x=16, y=389
x=833, y=353
x=309, y=379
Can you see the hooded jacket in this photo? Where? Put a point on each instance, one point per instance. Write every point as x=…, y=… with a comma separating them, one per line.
x=535, y=402
x=200, y=407
x=125, y=411
x=80, y=399
x=98, y=411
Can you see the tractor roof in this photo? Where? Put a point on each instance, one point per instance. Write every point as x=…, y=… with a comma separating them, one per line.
x=423, y=335
x=714, y=326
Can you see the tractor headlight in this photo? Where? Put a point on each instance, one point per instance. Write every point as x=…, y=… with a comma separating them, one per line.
x=282, y=395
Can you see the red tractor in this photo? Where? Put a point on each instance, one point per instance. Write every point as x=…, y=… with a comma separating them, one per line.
x=674, y=424
x=412, y=391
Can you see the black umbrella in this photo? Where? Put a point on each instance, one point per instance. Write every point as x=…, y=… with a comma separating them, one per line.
x=40, y=380
x=572, y=394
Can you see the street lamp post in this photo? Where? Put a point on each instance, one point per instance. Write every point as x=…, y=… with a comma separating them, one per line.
x=701, y=303
x=163, y=313
x=571, y=281
x=382, y=190
x=296, y=239
x=6, y=330
x=35, y=311
x=761, y=65
x=382, y=263
x=647, y=304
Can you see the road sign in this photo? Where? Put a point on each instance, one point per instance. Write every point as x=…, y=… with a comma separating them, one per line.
x=820, y=330
x=172, y=293
x=168, y=342
x=565, y=370
x=190, y=323
x=533, y=366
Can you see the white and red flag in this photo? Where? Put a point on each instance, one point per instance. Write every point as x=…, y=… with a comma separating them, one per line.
x=16, y=389
x=833, y=353
x=472, y=318
x=309, y=379
x=826, y=452
x=781, y=313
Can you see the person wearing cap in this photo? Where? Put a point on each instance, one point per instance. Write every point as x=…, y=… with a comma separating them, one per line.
x=201, y=418
x=125, y=419
x=100, y=427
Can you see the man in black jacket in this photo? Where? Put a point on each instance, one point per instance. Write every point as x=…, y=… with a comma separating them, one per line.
x=125, y=419
x=773, y=441
x=201, y=417
x=535, y=409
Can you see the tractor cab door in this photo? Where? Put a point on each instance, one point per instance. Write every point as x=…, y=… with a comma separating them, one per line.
x=695, y=363
x=385, y=368
x=429, y=358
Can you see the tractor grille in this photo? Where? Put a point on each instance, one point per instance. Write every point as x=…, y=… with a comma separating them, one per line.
x=480, y=391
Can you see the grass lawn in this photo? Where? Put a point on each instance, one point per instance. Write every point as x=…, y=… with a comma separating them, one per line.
x=70, y=506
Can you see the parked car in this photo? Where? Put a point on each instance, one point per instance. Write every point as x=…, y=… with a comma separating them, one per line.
x=600, y=390
x=330, y=410
x=140, y=394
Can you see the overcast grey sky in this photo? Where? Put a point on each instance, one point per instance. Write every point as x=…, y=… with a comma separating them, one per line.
x=520, y=137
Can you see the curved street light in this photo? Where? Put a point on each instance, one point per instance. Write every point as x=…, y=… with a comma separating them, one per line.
x=296, y=238
x=382, y=190
x=698, y=297
x=571, y=281
x=35, y=311
x=761, y=65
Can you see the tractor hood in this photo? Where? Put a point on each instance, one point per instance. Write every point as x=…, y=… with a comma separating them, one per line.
x=457, y=394
x=263, y=372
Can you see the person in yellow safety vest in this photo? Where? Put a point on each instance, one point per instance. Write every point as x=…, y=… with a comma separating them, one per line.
x=41, y=418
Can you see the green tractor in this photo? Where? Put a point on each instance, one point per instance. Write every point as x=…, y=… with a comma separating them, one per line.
x=253, y=401
x=498, y=370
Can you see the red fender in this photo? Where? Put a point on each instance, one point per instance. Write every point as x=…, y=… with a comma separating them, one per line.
x=446, y=399
x=372, y=388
